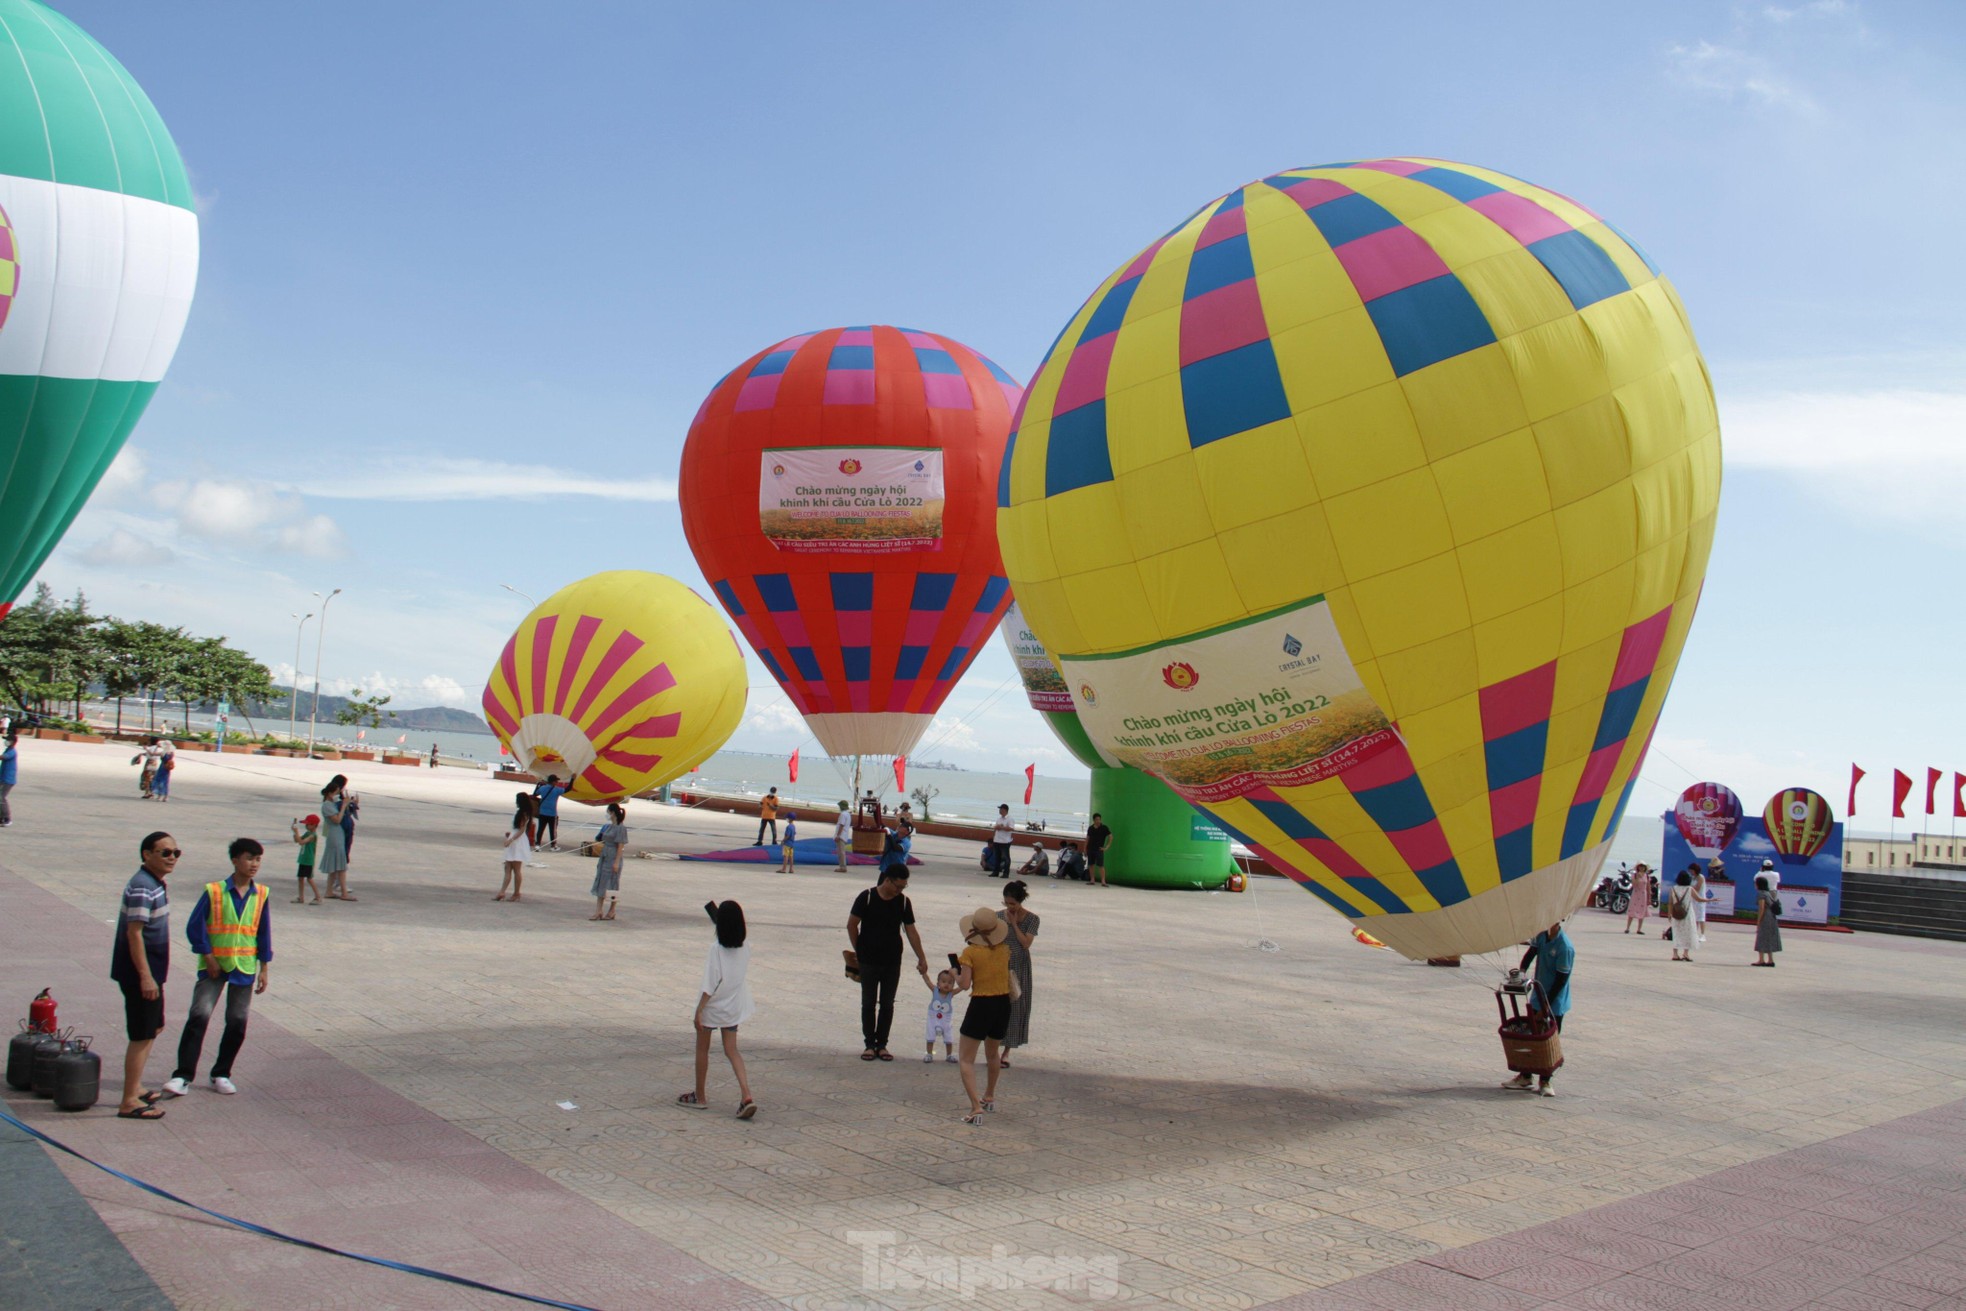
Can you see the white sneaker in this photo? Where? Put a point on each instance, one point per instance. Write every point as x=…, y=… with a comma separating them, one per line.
x=1522, y=1082
x=175, y=1087
x=1547, y=1090
x=221, y=1084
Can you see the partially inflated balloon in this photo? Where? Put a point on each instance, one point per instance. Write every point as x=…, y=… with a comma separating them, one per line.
x=1707, y=815
x=1165, y=846
x=98, y=258
x=619, y=682
x=836, y=489
x=1369, y=508
x=1799, y=823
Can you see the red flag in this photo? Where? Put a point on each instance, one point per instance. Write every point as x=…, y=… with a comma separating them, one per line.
x=1030, y=781
x=1856, y=776
x=1932, y=777
x=1959, y=796
x=901, y=772
x=792, y=766
x=1900, y=789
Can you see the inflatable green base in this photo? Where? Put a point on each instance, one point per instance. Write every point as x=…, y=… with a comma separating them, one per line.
x=1159, y=840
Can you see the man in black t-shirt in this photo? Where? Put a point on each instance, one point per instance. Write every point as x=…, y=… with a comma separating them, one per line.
x=874, y=927
x=1098, y=841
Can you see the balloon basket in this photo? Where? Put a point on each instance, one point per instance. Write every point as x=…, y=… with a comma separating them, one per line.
x=1530, y=1042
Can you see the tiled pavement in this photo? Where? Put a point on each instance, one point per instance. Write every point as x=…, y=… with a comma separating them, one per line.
x=1201, y=1122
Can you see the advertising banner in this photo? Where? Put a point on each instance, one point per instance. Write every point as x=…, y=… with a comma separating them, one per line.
x=1202, y=829
x=1812, y=890
x=1043, y=684
x=866, y=499
x=1313, y=719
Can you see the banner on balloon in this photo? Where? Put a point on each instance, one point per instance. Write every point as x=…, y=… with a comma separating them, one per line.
x=869, y=499
x=1311, y=720
x=1043, y=684
x=901, y=772
x=1030, y=782
x=792, y=766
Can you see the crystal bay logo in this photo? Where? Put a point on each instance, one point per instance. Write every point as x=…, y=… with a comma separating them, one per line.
x=1180, y=675
x=919, y=466
x=849, y=467
x=1291, y=646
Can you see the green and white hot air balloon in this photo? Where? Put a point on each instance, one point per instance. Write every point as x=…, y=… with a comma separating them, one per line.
x=98, y=258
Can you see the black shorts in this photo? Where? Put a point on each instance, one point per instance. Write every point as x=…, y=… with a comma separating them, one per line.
x=303, y=871
x=1095, y=860
x=142, y=1019
x=987, y=1017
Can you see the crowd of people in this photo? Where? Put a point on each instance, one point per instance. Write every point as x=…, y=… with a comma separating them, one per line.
x=230, y=931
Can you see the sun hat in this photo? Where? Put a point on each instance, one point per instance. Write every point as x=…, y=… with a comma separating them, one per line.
x=1767, y=864
x=983, y=922
x=844, y=806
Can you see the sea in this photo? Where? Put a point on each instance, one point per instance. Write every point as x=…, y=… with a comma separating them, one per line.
x=1061, y=802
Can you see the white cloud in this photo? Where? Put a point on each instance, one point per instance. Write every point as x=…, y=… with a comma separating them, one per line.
x=1738, y=74
x=1900, y=454
x=446, y=478
x=250, y=516
x=121, y=548
x=770, y=712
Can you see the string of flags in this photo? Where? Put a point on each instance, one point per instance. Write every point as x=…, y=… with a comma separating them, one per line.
x=1902, y=785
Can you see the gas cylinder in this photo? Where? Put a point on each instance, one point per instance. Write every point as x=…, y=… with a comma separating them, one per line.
x=41, y=1012
x=41, y=1076
x=78, y=1076
x=1237, y=882
x=20, y=1055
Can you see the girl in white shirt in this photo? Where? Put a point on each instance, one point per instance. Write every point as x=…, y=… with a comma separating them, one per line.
x=723, y=1004
x=517, y=847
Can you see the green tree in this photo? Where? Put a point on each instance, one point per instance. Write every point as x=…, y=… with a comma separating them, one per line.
x=362, y=710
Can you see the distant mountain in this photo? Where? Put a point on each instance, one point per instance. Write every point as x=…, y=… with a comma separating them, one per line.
x=439, y=719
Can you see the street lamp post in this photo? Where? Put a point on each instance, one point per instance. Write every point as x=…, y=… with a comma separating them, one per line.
x=293, y=698
x=521, y=595
x=320, y=636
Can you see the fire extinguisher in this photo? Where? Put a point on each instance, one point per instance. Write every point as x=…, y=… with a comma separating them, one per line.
x=41, y=1013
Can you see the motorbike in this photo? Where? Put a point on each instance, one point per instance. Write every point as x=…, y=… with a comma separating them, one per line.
x=1614, y=891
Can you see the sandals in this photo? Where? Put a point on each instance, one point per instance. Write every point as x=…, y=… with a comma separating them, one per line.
x=974, y=1117
x=689, y=1099
x=883, y=1055
x=746, y=1109
x=990, y=1104
x=868, y=1055
x=143, y=1112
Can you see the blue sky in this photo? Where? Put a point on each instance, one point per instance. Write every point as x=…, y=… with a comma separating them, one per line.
x=468, y=270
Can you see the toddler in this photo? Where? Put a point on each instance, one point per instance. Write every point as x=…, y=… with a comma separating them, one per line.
x=307, y=835
x=941, y=1015
x=785, y=847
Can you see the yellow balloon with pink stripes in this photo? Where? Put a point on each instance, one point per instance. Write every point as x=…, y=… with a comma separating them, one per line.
x=616, y=685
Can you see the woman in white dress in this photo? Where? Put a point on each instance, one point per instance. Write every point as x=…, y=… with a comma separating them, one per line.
x=1678, y=909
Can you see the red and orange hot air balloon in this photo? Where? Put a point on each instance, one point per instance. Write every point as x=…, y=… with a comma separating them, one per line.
x=839, y=493
x=1799, y=823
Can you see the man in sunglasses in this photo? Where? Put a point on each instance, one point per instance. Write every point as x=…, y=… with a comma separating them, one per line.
x=138, y=961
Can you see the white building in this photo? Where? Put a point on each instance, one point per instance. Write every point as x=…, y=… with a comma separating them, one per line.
x=1904, y=855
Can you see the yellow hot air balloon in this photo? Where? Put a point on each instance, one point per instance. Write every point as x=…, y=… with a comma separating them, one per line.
x=621, y=682
x=1369, y=508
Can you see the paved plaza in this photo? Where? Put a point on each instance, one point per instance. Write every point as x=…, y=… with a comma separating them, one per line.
x=1227, y=1103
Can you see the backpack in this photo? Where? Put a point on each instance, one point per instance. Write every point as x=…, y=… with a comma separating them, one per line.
x=1679, y=907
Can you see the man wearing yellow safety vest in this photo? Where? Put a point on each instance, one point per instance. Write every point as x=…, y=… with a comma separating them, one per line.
x=231, y=929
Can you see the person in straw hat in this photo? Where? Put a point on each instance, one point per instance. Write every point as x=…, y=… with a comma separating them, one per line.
x=984, y=970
